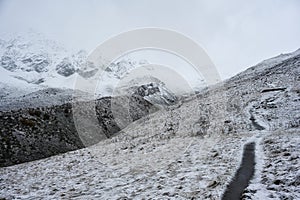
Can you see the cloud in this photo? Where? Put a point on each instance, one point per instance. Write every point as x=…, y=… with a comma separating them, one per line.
x=235, y=34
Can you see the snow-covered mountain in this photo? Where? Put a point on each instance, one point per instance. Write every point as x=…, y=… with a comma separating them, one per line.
x=151, y=89
x=37, y=80
x=38, y=61
x=189, y=151
x=31, y=62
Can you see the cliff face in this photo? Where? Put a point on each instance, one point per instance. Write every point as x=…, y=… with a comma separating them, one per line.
x=28, y=134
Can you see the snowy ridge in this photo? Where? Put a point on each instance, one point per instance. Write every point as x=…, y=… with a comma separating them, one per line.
x=278, y=59
x=151, y=89
x=42, y=63
x=38, y=61
x=268, y=63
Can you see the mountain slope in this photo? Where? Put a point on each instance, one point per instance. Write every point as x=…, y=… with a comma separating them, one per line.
x=190, y=150
x=43, y=130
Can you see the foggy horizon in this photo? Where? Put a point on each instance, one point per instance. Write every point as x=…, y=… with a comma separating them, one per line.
x=235, y=35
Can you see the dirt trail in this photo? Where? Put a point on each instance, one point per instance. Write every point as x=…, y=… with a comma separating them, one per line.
x=255, y=124
x=243, y=174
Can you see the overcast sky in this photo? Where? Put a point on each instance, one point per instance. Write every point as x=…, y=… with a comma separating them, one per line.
x=236, y=34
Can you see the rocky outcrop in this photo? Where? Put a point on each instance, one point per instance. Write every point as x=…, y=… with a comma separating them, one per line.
x=65, y=68
x=29, y=134
x=34, y=133
x=156, y=93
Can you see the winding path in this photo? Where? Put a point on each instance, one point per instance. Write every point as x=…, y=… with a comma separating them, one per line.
x=255, y=124
x=243, y=175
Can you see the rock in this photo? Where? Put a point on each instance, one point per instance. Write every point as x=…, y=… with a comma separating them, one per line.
x=287, y=154
x=65, y=68
x=215, y=154
x=277, y=182
x=212, y=184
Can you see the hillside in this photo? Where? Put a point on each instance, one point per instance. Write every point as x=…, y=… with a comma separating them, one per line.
x=190, y=150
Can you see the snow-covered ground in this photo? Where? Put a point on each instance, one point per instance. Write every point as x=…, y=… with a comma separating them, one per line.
x=172, y=168
x=176, y=167
x=277, y=175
